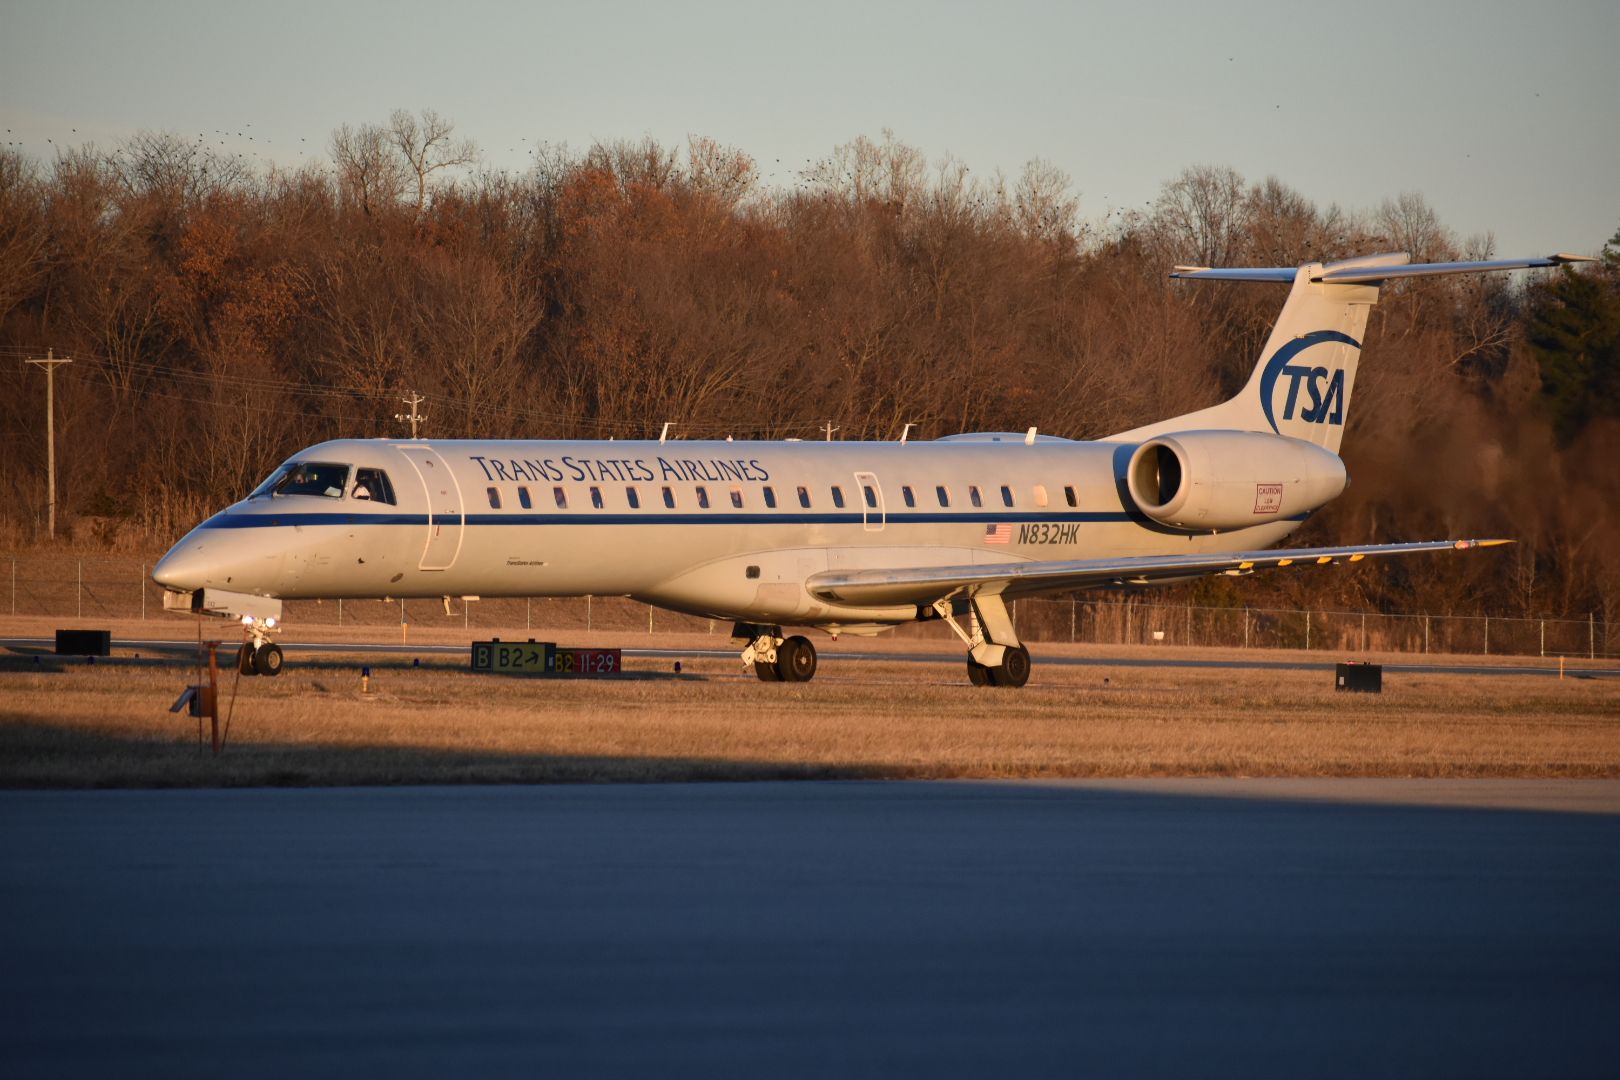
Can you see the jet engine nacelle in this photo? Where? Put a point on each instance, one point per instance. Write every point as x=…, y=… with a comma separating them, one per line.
x=1230, y=479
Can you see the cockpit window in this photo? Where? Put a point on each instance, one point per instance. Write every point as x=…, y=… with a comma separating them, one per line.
x=270, y=482
x=373, y=484
x=313, y=478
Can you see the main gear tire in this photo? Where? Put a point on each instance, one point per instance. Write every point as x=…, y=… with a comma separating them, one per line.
x=267, y=659
x=796, y=658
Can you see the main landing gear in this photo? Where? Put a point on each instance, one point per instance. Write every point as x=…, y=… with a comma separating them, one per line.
x=995, y=657
x=259, y=655
x=775, y=658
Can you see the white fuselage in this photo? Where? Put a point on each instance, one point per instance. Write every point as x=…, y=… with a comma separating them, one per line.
x=726, y=529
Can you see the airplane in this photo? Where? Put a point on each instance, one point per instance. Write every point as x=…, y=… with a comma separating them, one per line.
x=843, y=537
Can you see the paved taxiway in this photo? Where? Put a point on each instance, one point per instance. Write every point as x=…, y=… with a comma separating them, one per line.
x=1170, y=928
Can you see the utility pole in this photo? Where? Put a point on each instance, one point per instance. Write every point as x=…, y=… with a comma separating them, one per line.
x=829, y=429
x=413, y=417
x=49, y=362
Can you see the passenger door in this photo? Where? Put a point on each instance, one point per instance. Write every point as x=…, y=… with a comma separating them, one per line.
x=447, y=519
x=873, y=513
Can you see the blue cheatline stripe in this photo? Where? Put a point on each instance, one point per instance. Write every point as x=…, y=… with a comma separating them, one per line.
x=589, y=517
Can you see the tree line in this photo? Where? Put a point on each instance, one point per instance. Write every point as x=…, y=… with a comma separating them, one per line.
x=221, y=315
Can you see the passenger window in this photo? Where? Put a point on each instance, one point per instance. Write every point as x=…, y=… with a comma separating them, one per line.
x=703, y=497
x=633, y=498
x=804, y=498
x=1006, y=495
x=596, y=497
x=973, y=495
x=871, y=496
x=561, y=496
x=1040, y=495
x=943, y=495
x=736, y=498
x=373, y=484
x=1068, y=495
x=523, y=498
x=838, y=496
x=669, y=497
x=905, y=492
x=770, y=497
x=494, y=499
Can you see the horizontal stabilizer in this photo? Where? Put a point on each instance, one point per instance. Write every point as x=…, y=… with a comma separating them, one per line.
x=926, y=584
x=1368, y=270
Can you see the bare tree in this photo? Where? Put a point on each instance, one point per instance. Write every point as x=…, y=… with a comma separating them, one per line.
x=370, y=176
x=23, y=232
x=1204, y=215
x=427, y=146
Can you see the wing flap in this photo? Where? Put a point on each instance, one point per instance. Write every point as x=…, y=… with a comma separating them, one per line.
x=923, y=585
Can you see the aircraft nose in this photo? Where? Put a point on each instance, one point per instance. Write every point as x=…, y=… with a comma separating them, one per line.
x=187, y=567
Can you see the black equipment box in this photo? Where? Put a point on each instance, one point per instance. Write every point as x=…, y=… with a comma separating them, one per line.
x=84, y=643
x=1362, y=678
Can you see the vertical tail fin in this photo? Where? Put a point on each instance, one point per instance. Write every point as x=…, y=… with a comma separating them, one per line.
x=1301, y=385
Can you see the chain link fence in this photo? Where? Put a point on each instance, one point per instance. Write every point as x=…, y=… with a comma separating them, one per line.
x=118, y=587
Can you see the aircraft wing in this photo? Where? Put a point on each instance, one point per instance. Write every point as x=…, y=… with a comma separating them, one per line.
x=926, y=584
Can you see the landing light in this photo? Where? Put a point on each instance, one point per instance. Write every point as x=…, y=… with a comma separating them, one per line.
x=270, y=623
x=247, y=620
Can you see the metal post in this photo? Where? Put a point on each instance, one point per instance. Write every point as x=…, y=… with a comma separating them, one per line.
x=1591, y=635
x=466, y=614
x=1189, y=624
x=14, y=586
x=1363, y=631
x=1307, y=631
x=340, y=611
x=1425, y=633
x=588, y=613
x=213, y=690
x=1245, y=628
x=81, y=588
x=1487, y=635
x=1073, y=604
x=649, y=618
x=526, y=602
x=1543, y=637
x=143, y=591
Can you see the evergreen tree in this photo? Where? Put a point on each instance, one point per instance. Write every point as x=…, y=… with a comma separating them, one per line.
x=1574, y=334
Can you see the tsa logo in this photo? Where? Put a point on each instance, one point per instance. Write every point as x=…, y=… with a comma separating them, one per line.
x=1300, y=390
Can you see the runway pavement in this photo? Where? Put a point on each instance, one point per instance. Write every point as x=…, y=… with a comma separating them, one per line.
x=1542, y=667
x=1144, y=928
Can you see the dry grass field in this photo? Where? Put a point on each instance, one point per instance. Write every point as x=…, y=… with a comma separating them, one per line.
x=65, y=722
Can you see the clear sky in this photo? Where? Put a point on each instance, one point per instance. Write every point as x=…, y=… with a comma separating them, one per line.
x=1503, y=115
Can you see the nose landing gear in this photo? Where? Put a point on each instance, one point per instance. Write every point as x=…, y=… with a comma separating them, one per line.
x=259, y=655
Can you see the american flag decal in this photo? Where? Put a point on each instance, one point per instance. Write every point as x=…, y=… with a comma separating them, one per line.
x=997, y=534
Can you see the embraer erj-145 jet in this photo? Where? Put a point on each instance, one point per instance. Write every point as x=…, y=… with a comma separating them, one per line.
x=846, y=537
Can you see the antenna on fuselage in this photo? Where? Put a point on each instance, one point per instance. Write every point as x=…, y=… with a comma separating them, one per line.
x=1029, y=437
x=662, y=435
x=829, y=429
x=904, y=432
